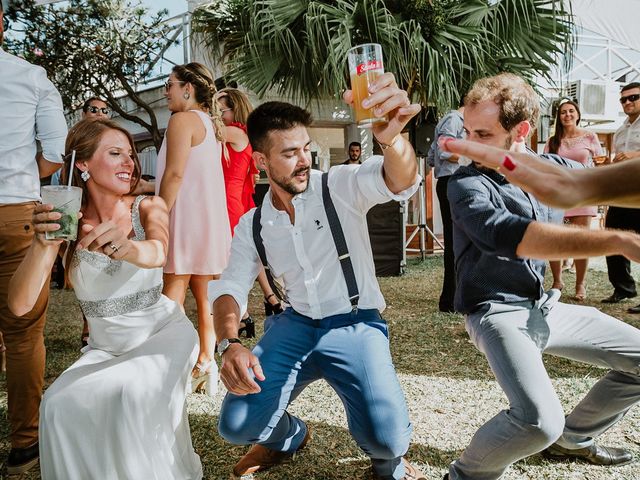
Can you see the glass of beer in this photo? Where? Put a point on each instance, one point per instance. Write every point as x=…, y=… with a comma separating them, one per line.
x=365, y=65
x=67, y=201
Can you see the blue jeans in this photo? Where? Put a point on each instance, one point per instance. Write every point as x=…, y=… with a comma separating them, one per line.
x=350, y=352
x=513, y=337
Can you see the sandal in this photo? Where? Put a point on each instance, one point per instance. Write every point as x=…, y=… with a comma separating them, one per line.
x=581, y=293
x=272, y=308
x=203, y=380
x=248, y=326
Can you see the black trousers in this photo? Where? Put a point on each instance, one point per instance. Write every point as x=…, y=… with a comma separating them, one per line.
x=449, y=283
x=619, y=267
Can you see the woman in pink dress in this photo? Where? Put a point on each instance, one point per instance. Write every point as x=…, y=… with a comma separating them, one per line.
x=190, y=180
x=580, y=145
x=239, y=176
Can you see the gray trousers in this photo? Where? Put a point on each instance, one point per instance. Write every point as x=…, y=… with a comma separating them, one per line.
x=513, y=337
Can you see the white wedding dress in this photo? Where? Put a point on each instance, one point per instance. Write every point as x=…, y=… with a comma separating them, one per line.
x=119, y=413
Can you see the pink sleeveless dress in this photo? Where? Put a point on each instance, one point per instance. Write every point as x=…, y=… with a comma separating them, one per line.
x=199, y=231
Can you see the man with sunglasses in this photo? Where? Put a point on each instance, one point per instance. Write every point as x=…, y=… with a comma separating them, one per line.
x=626, y=144
x=30, y=109
x=95, y=108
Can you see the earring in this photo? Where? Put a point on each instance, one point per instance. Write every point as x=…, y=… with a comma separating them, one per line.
x=186, y=95
x=85, y=175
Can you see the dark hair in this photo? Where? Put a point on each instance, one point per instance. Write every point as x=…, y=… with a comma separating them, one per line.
x=204, y=89
x=554, y=141
x=629, y=86
x=515, y=97
x=355, y=144
x=274, y=116
x=87, y=102
x=84, y=137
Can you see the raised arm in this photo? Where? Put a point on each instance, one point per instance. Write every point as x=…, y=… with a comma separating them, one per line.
x=400, y=166
x=32, y=273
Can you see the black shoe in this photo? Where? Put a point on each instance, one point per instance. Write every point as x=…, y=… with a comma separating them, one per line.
x=594, y=454
x=446, y=476
x=270, y=308
x=21, y=460
x=249, y=328
x=635, y=309
x=617, y=297
x=446, y=309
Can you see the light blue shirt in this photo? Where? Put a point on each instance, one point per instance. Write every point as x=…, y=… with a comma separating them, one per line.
x=30, y=110
x=449, y=126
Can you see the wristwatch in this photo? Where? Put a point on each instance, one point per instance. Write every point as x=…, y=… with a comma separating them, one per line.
x=225, y=343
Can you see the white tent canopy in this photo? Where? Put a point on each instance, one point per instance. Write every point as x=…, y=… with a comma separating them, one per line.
x=614, y=19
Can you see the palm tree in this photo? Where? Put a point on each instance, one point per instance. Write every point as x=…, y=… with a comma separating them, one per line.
x=436, y=48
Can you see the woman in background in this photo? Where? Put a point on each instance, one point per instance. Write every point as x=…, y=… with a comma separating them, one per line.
x=190, y=180
x=570, y=141
x=240, y=176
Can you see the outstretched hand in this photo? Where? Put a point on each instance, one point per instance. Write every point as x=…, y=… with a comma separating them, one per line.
x=387, y=99
x=43, y=220
x=544, y=179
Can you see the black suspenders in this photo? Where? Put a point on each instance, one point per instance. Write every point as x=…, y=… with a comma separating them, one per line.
x=338, y=240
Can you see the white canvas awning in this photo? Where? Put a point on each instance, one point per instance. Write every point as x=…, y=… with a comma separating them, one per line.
x=614, y=19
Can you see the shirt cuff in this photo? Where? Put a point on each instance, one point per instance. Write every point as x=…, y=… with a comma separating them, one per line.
x=374, y=186
x=53, y=150
x=218, y=288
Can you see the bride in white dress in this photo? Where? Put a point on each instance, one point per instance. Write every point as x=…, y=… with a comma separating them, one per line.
x=119, y=411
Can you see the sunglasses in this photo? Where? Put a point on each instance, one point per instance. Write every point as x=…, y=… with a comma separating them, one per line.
x=631, y=98
x=92, y=109
x=168, y=83
x=222, y=110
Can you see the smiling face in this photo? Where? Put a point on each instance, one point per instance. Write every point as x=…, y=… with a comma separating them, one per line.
x=631, y=109
x=227, y=112
x=569, y=115
x=288, y=160
x=111, y=167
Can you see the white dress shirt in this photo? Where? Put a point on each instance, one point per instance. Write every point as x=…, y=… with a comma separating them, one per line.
x=627, y=137
x=303, y=257
x=30, y=109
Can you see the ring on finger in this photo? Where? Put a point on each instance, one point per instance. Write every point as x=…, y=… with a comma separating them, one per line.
x=114, y=247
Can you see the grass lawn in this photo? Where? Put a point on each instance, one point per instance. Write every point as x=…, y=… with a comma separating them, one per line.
x=449, y=388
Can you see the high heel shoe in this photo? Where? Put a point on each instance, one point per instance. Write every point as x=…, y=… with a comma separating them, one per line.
x=581, y=293
x=248, y=326
x=272, y=308
x=203, y=378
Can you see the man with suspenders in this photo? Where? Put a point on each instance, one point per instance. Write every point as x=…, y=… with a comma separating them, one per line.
x=311, y=235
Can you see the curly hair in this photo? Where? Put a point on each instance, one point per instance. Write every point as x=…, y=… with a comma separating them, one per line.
x=515, y=97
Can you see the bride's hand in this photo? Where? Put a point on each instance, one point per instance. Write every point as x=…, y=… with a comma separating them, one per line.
x=43, y=220
x=105, y=238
